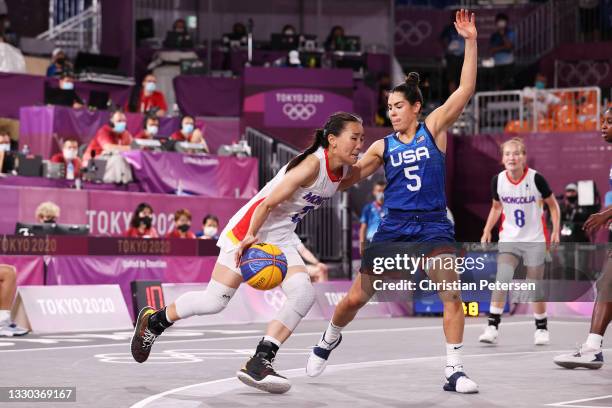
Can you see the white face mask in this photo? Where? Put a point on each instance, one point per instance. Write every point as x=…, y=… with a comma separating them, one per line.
x=210, y=231
x=69, y=154
x=152, y=130
x=5, y=147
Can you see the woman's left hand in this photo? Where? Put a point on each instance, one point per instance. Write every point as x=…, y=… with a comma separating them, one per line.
x=466, y=24
x=244, y=245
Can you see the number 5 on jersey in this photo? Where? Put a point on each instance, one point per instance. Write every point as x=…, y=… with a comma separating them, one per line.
x=413, y=177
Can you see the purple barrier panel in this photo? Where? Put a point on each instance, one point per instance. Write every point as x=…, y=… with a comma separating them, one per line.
x=20, y=90
x=219, y=131
x=328, y=294
x=163, y=172
x=298, y=107
x=265, y=304
x=204, y=96
x=98, y=270
x=9, y=207
x=560, y=309
x=30, y=269
x=72, y=203
x=236, y=312
x=42, y=127
x=109, y=213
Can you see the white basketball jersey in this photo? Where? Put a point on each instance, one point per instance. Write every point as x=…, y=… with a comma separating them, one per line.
x=522, y=213
x=282, y=221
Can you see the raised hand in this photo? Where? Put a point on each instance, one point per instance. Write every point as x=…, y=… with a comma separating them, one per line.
x=466, y=24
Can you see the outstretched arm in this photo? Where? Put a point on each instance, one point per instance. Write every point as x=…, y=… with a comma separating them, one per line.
x=443, y=117
x=366, y=166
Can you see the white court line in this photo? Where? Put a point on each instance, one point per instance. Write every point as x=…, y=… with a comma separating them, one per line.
x=318, y=333
x=564, y=403
x=228, y=384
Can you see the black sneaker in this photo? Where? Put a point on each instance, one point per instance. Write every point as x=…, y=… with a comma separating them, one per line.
x=143, y=338
x=259, y=373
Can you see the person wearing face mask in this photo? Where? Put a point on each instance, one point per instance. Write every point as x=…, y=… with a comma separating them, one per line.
x=189, y=133
x=7, y=160
x=502, y=44
x=150, y=128
x=111, y=137
x=141, y=225
x=47, y=213
x=371, y=215
x=182, y=225
x=150, y=98
x=210, y=228
x=69, y=157
x=537, y=99
x=59, y=63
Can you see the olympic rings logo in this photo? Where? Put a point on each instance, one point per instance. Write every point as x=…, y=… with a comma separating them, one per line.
x=584, y=72
x=407, y=32
x=299, y=111
x=275, y=298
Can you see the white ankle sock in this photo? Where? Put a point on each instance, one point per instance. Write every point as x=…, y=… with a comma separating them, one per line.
x=272, y=340
x=594, y=341
x=496, y=310
x=5, y=315
x=331, y=335
x=168, y=317
x=540, y=316
x=454, y=362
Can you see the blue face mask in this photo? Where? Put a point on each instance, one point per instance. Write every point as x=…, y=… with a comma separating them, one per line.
x=67, y=86
x=119, y=127
x=187, y=128
x=150, y=87
x=540, y=85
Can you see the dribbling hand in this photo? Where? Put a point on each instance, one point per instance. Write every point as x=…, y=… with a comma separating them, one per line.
x=244, y=245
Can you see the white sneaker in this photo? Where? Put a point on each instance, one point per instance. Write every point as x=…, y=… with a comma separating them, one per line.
x=317, y=360
x=541, y=337
x=461, y=383
x=489, y=336
x=11, y=330
x=585, y=357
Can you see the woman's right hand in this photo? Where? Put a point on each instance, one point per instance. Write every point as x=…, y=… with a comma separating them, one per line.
x=486, y=237
x=244, y=245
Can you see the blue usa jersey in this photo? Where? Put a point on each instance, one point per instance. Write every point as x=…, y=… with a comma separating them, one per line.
x=415, y=173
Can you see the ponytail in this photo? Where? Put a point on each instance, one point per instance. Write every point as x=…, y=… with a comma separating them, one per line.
x=333, y=126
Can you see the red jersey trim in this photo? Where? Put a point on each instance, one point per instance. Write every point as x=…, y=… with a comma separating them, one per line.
x=516, y=183
x=333, y=177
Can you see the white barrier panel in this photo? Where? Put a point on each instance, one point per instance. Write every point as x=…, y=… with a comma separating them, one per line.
x=71, y=308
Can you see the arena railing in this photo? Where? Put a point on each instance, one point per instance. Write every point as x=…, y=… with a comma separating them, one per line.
x=326, y=230
x=535, y=110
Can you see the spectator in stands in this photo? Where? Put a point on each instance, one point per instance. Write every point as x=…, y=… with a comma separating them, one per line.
x=182, y=225
x=189, y=133
x=538, y=98
x=239, y=30
x=7, y=159
x=150, y=128
x=59, y=63
x=502, y=44
x=574, y=215
x=69, y=97
x=113, y=136
x=210, y=228
x=47, y=213
x=371, y=215
x=179, y=26
x=69, y=156
x=151, y=100
x=454, y=47
x=289, y=29
x=8, y=284
x=141, y=225
x=317, y=270
x=335, y=40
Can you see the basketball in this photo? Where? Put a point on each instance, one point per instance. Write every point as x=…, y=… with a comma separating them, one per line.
x=263, y=266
